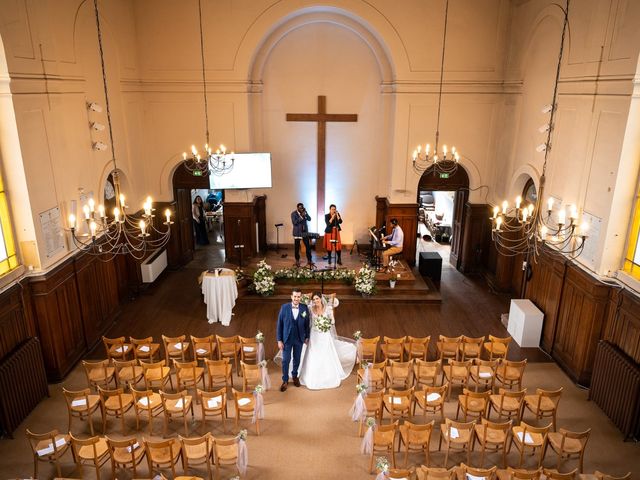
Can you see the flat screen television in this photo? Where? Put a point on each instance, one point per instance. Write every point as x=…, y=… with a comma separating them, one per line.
x=250, y=170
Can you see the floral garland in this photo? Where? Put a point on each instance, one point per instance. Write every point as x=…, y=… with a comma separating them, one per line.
x=322, y=323
x=366, y=281
x=303, y=275
x=263, y=279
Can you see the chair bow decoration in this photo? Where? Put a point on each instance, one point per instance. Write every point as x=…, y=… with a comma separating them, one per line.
x=366, y=447
x=264, y=374
x=382, y=465
x=359, y=408
x=258, y=405
x=243, y=453
x=366, y=376
x=260, y=341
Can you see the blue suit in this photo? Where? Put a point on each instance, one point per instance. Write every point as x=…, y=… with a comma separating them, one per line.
x=293, y=333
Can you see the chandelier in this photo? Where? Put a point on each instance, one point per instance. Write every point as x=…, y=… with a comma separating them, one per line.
x=210, y=162
x=525, y=229
x=444, y=162
x=124, y=233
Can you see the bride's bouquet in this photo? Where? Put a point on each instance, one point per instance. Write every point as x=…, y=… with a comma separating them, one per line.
x=322, y=323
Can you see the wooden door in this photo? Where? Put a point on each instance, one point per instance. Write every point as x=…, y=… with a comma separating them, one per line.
x=459, y=202
x=185, y=224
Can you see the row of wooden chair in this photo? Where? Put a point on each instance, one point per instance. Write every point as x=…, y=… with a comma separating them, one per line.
x=148, y=404
x=125, y=373
x=492, y=437
x=234, y=348
x=127, y=454
x=456, y=348
x=486, y=374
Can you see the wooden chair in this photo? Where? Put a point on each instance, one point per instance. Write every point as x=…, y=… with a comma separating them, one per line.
x=473, y=404
x=204, y=347
x=544, y=404
x=81, y=404
x=456, y=436
x=398, y=402
x=251, y=375
x=568, y=445
x=47, y=447
x=605, y=476
x=156, y=375
x=435, y=473
x=128, y=372
x=248, y=349
x=448, y=347
x=483, y=373
x=144, y=348
x=99, y=373
x=519, y=474
x=176, y=405
x=373, y=403
x=126, y=454
x=417, y=348
x=368, y=349
x=497, y=347
x=393, y=348
x=399, y=473
x=471, y=472
x=509, y=374
x=398, y=374
x=493, y=437
x=430, y=400
x=456, y=373
x=553, y=474
x=384, y=440
x=197, y=451
x=244, y=406
x=416, y=438
x=225, y=452
x=175, y=347
x=162, y=454
x=213, y=404
x=376, y=375
x=507, y=404
x=115, y=403
x=218, y=373
x=526, y=437
x=426, y=373
x=117, y=348
x=470, y=347
x=146, y=403
x=92, y=451
x=229, y=348
x=188, y=374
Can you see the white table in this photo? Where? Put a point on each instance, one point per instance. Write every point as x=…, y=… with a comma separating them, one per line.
x=525, y=323
x=220, y=293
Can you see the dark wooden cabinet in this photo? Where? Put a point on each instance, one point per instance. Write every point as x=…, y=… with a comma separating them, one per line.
x=245, y=224
x=407, y=215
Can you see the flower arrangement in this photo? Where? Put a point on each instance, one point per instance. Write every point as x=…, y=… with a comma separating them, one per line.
x=242, y=434
x=239, y=274
x=260, y=337
x=370, y=422
x=259, y=389
x=303, y=275
x=263, y=279
x=322, y=323
x=357, y=335
x=364, y=364
x=361, y=387
x=382, y=464
x=366, y=281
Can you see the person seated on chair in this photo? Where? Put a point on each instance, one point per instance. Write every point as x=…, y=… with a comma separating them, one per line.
x=395, y=241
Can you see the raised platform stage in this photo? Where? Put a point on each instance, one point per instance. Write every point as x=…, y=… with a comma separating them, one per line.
x=410, y=286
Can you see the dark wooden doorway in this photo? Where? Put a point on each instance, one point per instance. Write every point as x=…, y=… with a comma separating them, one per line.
x=458, y=183
x=180, y=251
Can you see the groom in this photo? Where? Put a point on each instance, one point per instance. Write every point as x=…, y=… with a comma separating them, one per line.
x=292, y=331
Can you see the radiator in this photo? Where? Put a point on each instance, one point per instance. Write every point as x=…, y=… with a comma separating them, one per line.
x=153, y=266
x=23, y=383
x=615, y=388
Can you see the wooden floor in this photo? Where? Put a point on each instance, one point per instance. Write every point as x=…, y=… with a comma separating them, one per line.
x=174, y=306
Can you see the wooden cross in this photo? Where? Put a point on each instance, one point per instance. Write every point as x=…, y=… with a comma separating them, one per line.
x=322, y=117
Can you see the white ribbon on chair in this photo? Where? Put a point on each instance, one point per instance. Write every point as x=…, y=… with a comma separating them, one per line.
x=260, y=352
x=266, y=381
x=258, y=407
x=366, y=376
x=359, y=407
x=243, y=457
x=359, y=349
x=366, y=447
x=382, y=476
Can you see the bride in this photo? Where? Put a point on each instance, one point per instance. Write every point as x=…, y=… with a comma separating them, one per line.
x=328, y=358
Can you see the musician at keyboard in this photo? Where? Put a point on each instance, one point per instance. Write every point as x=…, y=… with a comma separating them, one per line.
x=395, y=241
x=299, y=219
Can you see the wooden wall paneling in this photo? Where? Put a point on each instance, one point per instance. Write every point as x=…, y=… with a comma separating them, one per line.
x=14, y=327
x=239, y=229
x=476, y=238
x=58, y=313
x=580, y=323
x=407, y=215
x=623, y=322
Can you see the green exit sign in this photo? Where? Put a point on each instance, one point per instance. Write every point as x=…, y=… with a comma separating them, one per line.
x=197, y=173
x=444, y=175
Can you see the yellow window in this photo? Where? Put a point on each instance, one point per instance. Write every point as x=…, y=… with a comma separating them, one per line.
x=632, y=259
x=8, y=257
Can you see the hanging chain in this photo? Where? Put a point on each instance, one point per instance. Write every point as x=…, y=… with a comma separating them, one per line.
x=204, y=78
x=444, y=42
x=555, y=90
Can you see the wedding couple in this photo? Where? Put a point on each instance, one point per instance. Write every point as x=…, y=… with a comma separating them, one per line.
x=322, y=359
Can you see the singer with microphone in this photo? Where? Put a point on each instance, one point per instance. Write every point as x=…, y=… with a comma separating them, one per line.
x=299, y=219
x=332, y=241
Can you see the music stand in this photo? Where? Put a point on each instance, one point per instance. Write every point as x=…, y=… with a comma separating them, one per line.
x=333, y=249
x=322, y=270
x=278, y=225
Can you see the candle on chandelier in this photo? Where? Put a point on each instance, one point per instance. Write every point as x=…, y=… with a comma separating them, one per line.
x=561, y=217
x=444, y=149
x=435, y=159
x=531, y=209
x=116, y=214
x=184, y=155
x=223, y=149
x=415, y=155
x=525, y=213
x=574, y=212
x=72, y=221
x=496, y=209
x=518, y=201
x=543, y=232
x=498, y=223
x=93, y=226
x=85, y=209
x=92, y=205
x=505, y=205
x=427, y=148
x=167, y=214
x=550, y=204
x=194, y=150
x=456, y=156
x=101, y=210
x=122, y=201
x=143, y=227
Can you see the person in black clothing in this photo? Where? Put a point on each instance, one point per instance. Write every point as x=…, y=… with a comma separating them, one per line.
x=299, y=219
x=332, y=232
x=199, y=221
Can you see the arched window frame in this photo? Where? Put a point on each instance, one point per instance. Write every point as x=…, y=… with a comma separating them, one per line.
x=632, y=257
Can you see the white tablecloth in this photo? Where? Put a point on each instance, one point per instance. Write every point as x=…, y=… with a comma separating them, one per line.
x=220, y=293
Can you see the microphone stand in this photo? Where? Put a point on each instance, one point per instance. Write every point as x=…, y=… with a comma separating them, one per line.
x=322, y=270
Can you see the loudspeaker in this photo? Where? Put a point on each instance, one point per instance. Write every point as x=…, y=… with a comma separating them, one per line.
x=430, y=265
